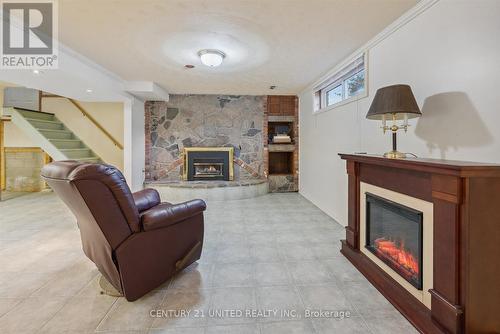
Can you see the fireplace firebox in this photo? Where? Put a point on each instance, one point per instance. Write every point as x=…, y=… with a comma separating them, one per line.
x=394, y=235
x=208, y=163
x=208, y=169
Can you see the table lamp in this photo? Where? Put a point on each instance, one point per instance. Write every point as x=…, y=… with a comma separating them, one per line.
x=394, y=104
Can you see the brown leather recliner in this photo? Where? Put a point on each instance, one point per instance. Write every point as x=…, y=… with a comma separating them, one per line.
x=136, y=242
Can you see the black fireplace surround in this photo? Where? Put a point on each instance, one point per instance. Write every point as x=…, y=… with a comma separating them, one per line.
x=394, y=235
x=208, y=165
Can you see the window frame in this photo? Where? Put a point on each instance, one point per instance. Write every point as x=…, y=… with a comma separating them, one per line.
x=349, y=77
x=353, y=67
x=329, y=88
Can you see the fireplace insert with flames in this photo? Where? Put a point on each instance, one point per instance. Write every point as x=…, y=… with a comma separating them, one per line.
x=208, y=164
x=206, y=169
x=394, y=235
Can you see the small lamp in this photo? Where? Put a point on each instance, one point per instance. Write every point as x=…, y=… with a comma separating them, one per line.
x=395, y=104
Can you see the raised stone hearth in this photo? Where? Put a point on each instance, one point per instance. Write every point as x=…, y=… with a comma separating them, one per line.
x=174, y=191
x=282, y=183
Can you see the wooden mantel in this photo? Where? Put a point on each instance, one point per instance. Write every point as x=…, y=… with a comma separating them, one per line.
x=466, y=237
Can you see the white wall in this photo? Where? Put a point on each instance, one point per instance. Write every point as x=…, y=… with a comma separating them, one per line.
x=108, y=114
x=449, y=55
x=134, y=143
x=13, y=137
x=75, y=75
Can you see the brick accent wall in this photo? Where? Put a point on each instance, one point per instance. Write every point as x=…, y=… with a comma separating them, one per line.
x=265, y=129
x=296, y=152
x=147, y=131
x=290, y=182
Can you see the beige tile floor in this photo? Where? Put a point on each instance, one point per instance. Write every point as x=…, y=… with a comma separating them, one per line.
x=6, y=195
x=273, y=252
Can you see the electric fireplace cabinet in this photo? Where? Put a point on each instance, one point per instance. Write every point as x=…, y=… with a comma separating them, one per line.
x=465, y=294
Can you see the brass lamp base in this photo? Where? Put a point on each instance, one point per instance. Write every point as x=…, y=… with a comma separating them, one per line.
x=395, y=155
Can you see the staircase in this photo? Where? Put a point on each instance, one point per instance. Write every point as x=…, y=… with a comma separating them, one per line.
x=51, y=135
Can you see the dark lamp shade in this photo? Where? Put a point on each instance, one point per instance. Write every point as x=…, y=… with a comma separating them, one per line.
x=396, y=99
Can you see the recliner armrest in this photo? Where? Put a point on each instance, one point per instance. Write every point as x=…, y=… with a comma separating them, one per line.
x=167, y=214
x=146, y=199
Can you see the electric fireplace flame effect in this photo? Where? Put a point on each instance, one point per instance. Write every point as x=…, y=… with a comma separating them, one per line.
x=394, y=234
x=401, y=258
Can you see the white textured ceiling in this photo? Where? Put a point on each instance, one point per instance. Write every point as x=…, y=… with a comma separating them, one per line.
x=287, y=43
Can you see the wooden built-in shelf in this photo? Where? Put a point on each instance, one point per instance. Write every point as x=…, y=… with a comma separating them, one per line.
x=279, y=128
x=281, y=147
x=280, y=163
x=282, y=118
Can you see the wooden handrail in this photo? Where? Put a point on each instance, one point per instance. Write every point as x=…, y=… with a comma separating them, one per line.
x=92, y=119
x=96, y=123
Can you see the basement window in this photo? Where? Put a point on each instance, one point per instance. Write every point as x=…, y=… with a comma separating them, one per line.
x=345, y=85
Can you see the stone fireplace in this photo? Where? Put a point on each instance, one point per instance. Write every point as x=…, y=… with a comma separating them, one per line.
x=208, y=164
x=204, y=121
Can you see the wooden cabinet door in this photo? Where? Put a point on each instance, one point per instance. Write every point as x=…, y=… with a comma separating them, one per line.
x=287, y=105
x=281, y=105
x=273, y=105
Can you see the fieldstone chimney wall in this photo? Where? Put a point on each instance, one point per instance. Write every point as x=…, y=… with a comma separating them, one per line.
x=204, y=121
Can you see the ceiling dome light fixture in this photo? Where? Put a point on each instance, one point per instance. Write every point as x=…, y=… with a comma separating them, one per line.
x=212, y=58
